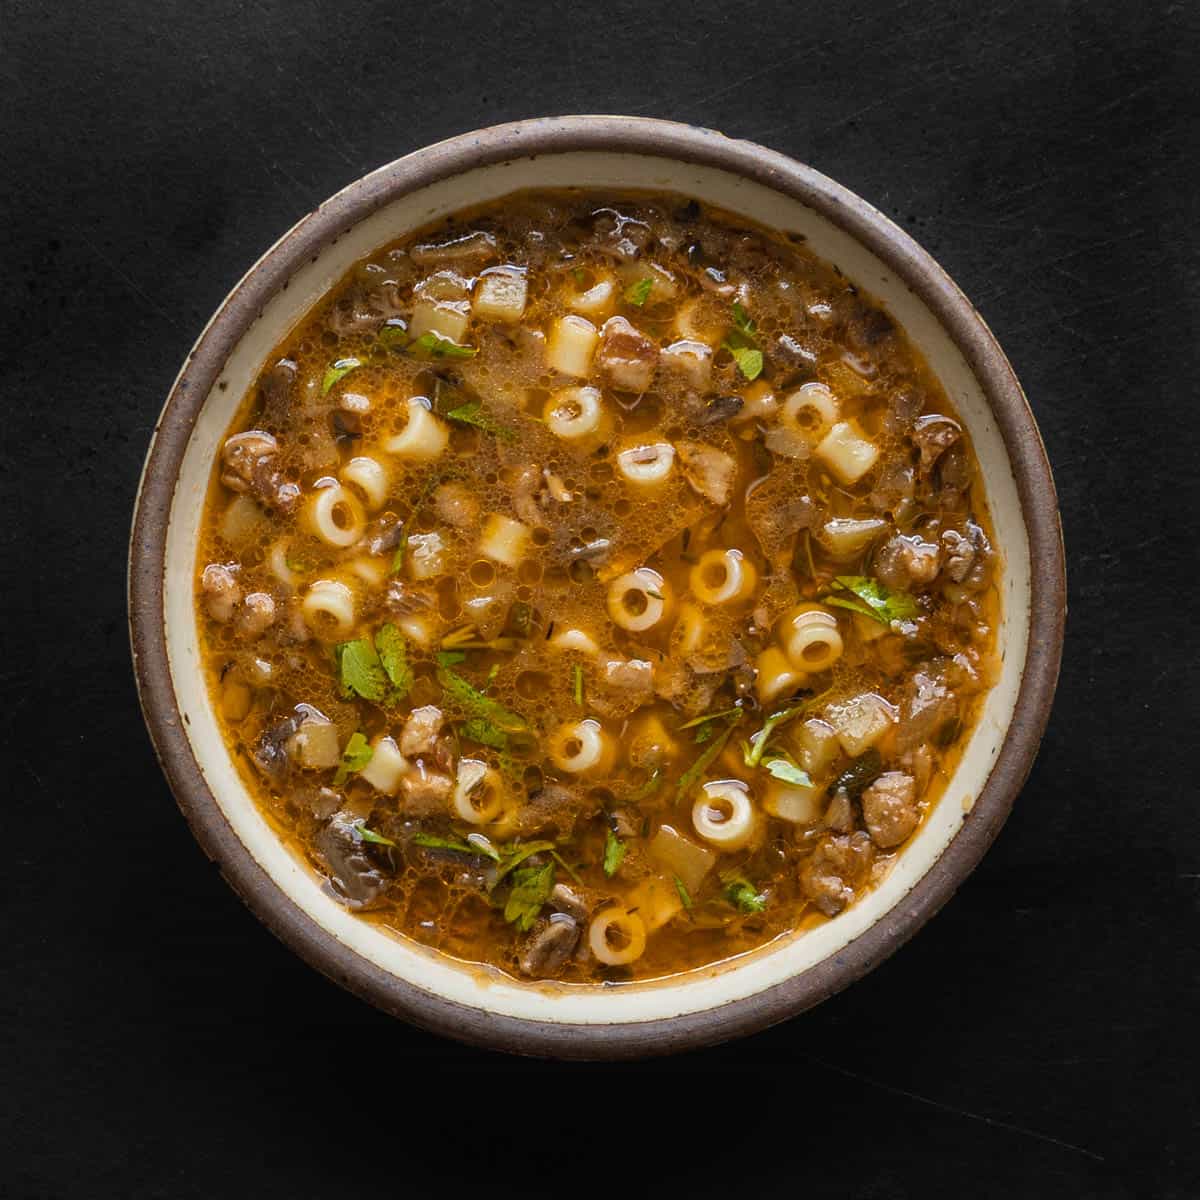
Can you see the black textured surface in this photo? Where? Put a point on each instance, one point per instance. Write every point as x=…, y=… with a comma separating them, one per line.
x=1037, y=1039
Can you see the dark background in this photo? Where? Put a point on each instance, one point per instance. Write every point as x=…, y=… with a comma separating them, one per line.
x=1037, y=1039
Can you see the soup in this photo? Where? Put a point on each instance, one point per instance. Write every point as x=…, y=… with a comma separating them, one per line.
x=596, y=587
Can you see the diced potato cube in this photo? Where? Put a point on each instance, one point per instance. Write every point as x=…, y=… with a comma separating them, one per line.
x=817, y=746
x=861, y=722
x=575, y=639
x=426, y=555
x=868, y=630
x=847, y=451
x=656, y=902
x=681, y=856
x=386, y=767
x=597, y=302
x=315, y=745
x=801, y=804
x=571, y=345
x=503, y=540
x=442, y=305
x=500, y=295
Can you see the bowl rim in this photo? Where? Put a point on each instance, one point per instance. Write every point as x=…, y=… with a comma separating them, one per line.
x=689, y=145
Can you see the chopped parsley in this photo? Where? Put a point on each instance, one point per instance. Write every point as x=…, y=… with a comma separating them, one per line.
x=870, y=598
x=614, y=853
x=638, y=293
x=433, y=842
x=744, y=896
x=684, y=894
x=436, y=346
x=355, y=756
x=758, y=741
x=337, y=370
x=742, y=343
x=530, y=891
x=488, y=721
x=784, y=766
x=393, y=657
x=359, y=670
x=692, y=775
x=369, y=835
x=577, y=684
x=472, y=413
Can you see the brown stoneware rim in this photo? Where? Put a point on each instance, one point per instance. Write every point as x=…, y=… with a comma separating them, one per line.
x=1035, y=487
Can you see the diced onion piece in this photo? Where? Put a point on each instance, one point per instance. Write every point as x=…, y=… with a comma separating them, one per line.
x=637, y=601
x=441, y=305
x=810, y=637
x=617, y=936
x=861, y=722
x=386, y=767
x=335, y=515
x=691, y=631
x=679, y=855
x=503, y=539
x=242, y=519
x=426, y=555
x=724, y=816
x=370, y=476
x=847, y=451
x=867, y=628
x=690, y=359
x=848, y=538
x=571, y=345
x=328, y=609
x=423, y=437
x=722, y=577
x=647, y=466
x=817, y=746
x=575, y=414
x=656, y=901
x=315, y=745
x=801, y=804
x=580, y=747
x=776, y=675
x=418, y=629
x=478, y=796
x=500, y=295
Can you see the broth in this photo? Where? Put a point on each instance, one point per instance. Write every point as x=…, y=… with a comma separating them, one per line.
x=596, y=587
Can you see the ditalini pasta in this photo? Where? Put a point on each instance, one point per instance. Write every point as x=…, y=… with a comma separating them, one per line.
x=596, y=587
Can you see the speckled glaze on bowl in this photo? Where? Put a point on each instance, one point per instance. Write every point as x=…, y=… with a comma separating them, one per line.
x=703, y=1006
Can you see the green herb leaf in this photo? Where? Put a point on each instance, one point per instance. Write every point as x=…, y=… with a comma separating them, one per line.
x=684, y=895
x=513, y=856
x=748, y=359
x=393, y=657
x=360, y=671
x=450, y=658
x=649, y=788
x=744, y=896
x=531, y=889
x=579, y=275
x=394, y=335
x=476, y=704
x=614, y=853
x=577, y=672
x=692, y=775
x=742, y=322
x=638, y=293
x=520, y=618
x=784, y=767
x=401, y=551
x=874, y=600
x=337, y=370
x=758, y=741
x=481, y=730
x=472, y=413
x=433, y=344
x=355, y=756
x=369, y=835
x=704, y=724
x=432, y=842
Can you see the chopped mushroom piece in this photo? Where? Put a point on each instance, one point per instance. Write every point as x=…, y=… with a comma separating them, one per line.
x=421, y=731
x=934, y=435
x=457, y=505
x=219, y=587
x=907, y=562
x=250, y=466
x=354, y=879
x=257, y=615
x=424, y=793
x=549, y=946
x=709, y=471
x=626, y=357
x=837, y=866
x=889, y=809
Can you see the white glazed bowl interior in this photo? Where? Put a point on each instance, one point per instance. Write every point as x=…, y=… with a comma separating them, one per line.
x=437, y=974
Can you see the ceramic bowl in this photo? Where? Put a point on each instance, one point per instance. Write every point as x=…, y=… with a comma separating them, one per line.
x=701, y=1006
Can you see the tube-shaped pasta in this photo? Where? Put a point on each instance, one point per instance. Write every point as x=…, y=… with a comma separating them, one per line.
x=503, y=540
x=617, y=936
x=277, y=564
x=723, y=577
x=370, y=476
x=723, y=815
x=648, y=466
x=580, y=746
x=478, y=795
x=423, y=437
x=575, y=639
x=386, y=767
x=691, y=359
x=810, y=638
x=328, y=609
x=576, y=414
x=775, y=675
x=372, y=571
x=571, y=345
x=691, y=631
x=597, y=302
x=637, y=601
x=847, y=451
x=811, y=411
x=335, y=515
